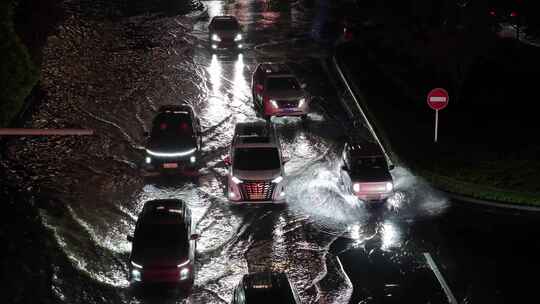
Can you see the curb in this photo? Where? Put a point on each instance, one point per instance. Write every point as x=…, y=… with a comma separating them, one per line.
x=453, y=196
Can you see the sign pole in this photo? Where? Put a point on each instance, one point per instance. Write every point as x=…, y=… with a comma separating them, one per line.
x=436, y=123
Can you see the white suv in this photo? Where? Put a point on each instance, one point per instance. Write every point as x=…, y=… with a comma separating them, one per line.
x=255, y=165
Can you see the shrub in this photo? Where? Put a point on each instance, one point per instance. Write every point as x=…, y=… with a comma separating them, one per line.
x=18, y=74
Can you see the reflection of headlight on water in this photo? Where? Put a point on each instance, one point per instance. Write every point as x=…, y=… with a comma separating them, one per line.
x=192, y=159
x=184, y=273
x=136, y=275
x=390, y=236
x=301, y=102
x=215, y=37
x=238, y=37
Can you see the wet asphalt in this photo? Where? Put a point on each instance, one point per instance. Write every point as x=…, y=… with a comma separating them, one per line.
x=112, y=75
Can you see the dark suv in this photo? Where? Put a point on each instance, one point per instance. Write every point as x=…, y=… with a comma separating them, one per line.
x=265, y=288
x=365, y=171
x=174, y=143
x=164, y=244
x=224, y=33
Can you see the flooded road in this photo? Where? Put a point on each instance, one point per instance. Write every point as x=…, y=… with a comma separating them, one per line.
x=112, y=74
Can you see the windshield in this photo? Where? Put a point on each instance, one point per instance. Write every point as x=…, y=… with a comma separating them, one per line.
x=369, y=163
x=269, y=296
x=168, y=126
x=282, y=84
x=169, y=237
x=226, y=24
x=256, y=159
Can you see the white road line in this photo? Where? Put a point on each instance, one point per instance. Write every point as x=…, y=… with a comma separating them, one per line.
x=440, y=278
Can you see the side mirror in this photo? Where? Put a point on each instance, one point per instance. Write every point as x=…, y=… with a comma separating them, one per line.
x=130, y=238
x=303, y=85
x=194, y=237
x=227, y=160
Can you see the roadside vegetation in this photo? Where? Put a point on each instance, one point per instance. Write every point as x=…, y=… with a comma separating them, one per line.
x=18, y=74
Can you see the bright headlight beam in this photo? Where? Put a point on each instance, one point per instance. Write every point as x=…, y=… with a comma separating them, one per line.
x=173, y=154
x=215, y=37
x=274, y=103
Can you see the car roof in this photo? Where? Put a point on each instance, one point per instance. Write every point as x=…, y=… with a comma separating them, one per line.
x=275, y=68
x=224, y=17
x=258, y=286
x=254, y=134
x=364, y=149
x=164, y=211
x=172, y=108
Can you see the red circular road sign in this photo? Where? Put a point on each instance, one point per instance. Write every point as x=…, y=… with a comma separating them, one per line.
x=437, y=99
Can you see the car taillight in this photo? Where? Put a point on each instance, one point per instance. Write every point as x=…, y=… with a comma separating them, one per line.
x=513, y=14
x=493, y=13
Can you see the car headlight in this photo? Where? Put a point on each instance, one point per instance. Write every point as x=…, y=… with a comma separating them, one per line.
x=148, y=159
x=136, y=265
x=184, y=273
x=192, y=159
x=277, y=180
x=215, y=37
x=236, y=180
x=238, y=37
x=356, y=187
x=301, y=102
x=273, y=102
x=389, y=187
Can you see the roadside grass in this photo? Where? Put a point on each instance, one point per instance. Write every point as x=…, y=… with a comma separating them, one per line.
x=18, y=74
x=489, y=155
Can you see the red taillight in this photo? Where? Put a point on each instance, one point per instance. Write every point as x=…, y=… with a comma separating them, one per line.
x=513, y=14
x=163, y=126
x=492, y=13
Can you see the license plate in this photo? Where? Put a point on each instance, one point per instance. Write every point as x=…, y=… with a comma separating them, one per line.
x=170, y=165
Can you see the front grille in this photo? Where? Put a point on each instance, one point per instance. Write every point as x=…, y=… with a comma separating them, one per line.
x=288, y=103
x=257, y=190
x=373, y=187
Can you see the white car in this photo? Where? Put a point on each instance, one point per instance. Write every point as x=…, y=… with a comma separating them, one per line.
x=256, y=173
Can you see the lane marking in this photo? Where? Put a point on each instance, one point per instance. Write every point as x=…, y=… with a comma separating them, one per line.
x=440, y=278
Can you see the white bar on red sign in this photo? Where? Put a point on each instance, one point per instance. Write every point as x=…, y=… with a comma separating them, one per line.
x=437, y=99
